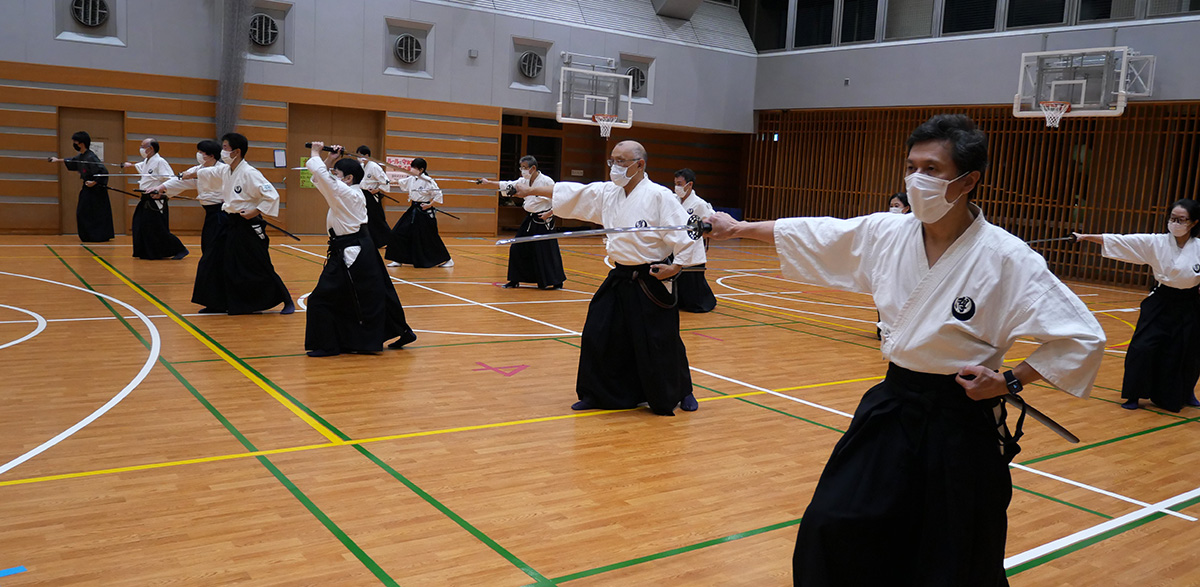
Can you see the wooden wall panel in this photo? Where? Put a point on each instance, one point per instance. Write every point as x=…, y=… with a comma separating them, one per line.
x=1090, y=175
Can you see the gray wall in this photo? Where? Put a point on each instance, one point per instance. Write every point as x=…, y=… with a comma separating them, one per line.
x=340, y=46
x=967, y=70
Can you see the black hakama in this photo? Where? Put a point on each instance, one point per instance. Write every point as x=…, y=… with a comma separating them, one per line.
x=353, y=309
x=235, y=274
x=631, y=351
x=694, y=293
x=93, y=213
x=213, y=218
x=377, y=223
x=1162, y=362
x=537, y=262
x=915, y=493
x=415, y=240
x=152, y=238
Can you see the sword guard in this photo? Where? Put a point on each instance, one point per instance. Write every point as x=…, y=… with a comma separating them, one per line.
x=697, y=228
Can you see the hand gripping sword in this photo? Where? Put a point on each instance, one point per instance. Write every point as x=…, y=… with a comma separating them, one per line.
x=695, y=229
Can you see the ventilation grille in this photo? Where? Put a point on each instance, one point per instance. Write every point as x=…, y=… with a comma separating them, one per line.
x=264, y=31
x=531, y=64
x=639, y=78
x=90, y=13
x=407, y=48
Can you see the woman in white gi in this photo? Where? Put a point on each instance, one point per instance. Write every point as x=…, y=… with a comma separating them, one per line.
x=898, y=203
x=374, y=185
x=1162, y=362
x=915, y=492
x=415, y=239
x=207, y=186
x=151, y=224
x=631, y=351
x=537, y=262
x=691, y=287
x=236, y=274
x=354, y=307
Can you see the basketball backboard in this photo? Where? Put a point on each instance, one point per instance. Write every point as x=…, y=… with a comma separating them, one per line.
x=589, y=86
x=1096, y=82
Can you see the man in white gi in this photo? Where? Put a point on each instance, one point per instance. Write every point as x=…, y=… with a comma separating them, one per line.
x=916, y=491
x=236, y=275
x=694, y=293
x=537, y=262
x=152, y=238
x=374, y=185
x=208, y=187
x=631, y=351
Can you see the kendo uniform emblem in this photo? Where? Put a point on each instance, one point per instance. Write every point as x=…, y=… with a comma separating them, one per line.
x=963, y=308
x=641, y=224
x=691, y=211
x=1196, y=267
x=237, y=189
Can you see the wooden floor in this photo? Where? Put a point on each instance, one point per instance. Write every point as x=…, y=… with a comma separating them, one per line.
x=145, y=444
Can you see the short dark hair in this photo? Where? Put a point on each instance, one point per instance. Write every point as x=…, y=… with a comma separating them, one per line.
x=968, y=144
x=209, y=147
x=363, y=150
x=154, y=144
x=687, y=174
x=903, y=197
x=82, y=137
x=529, y=160
x=351, y=167
x=237, y=142
x=419, y=163
x=1193, y=211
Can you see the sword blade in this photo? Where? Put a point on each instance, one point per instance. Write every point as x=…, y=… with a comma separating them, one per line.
x=596, y=232
x=1051, y=240
x=133, y=175
x=1043, y=419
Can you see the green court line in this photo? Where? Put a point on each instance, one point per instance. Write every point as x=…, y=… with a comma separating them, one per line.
x=778, y=411
x=425, y=496
x=1063, y=502
x=1106, y=442
x=672, y=552
x=300, y=496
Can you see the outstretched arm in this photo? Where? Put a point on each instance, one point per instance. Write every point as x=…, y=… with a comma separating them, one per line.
x=724, y=227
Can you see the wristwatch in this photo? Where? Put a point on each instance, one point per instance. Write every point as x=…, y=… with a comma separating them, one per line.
x=1012, y=383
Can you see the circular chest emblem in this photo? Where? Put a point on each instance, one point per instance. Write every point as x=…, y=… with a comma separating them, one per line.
x=1196, y=267
x=237, y=189
x=641, y=224
x=691, y=210
x=963, y=308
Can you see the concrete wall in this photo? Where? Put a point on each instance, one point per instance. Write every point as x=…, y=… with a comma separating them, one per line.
x=343, y=46
x=978, y=69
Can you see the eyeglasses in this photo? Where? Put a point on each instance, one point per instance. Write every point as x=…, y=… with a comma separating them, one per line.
x=1178, y=220
x=622, y=162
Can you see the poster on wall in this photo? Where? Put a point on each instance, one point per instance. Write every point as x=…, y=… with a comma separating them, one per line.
x=305, y=175
x=397, y=168
x=98, y=149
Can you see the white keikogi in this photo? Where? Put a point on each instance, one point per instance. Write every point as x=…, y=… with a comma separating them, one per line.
x=155, y=171
x=533, y=204
x=420, y=188
x=347, y=207
x=374, y=178
x=207, y=185
x=694, y=205
x=244, y=188
x=986, y=291
x=648, y=204
x=1173, y=266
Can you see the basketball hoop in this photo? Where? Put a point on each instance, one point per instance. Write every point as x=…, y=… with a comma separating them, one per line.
x=1054, y=111
x=606, y=122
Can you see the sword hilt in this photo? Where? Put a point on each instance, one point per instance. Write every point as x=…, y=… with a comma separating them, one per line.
x=697, y=227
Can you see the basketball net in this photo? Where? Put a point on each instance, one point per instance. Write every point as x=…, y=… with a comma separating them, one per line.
x=1054, y=112
x=606, y=122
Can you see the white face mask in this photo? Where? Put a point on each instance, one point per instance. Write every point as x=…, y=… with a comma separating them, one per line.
x=362, y=160
x=146, y=153
x=526, y=173
x=681, y=191
x=343, y=178
x=227, y=156
x=618, y=175
x=896, y=210
x=199, y=157
x=1178, y=229
x=927, y=196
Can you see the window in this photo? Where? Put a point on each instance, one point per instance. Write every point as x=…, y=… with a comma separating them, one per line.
x=1161, y=7
x=1105, y=9
x=909, y=19
x=962, y=16
x=766, y=21
x=814, y=23
x=1035, y=12
x=858, y=20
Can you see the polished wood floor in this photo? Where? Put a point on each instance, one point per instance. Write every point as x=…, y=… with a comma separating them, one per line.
x=213, y=452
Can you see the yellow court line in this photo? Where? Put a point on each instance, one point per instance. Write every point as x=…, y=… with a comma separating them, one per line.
x=305, y=416
x=771, y=311
x=1119, y=320
x=812, y=385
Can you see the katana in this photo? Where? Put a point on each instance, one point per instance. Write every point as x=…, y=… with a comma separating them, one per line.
x=695, y=228
x=265, y=221
x=134, y=175
x=343, y=152
x=439, y=210
x=1042, y=418
x=1051, y=240
x=122, y=191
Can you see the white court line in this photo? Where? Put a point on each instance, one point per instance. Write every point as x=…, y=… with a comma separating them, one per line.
x=508, y=334
x=155, y=347
x=302, y=301
x=800, y=311
x=1116, y=310
x=1100, y=491
x=1061, y=543
x=721, y=281
x=41, y=325
x=460, y=298
x=1124, y=291
x=775, y=393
